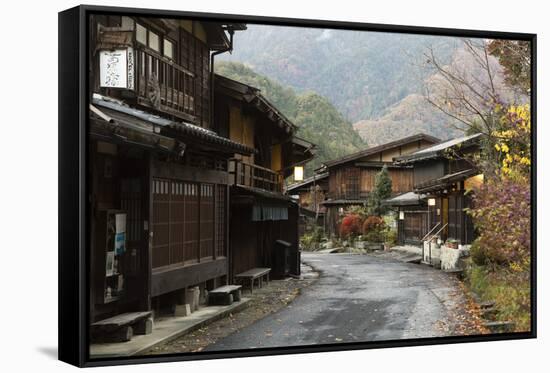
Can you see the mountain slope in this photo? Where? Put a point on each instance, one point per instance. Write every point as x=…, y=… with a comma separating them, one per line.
x=317, y=119
x=411, y=115
x=361, y=73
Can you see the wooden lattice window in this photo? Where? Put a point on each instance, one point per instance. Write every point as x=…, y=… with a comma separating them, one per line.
x=189, y=222
x=207, y=220
x=352, y=183
x=191, y=233
x=161, y=222
x=220, y=220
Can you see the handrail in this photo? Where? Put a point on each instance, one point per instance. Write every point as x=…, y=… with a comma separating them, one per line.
x=167, y=85
x=430, y=231
x=249, y=174
x=430, y=239
x=439, y=231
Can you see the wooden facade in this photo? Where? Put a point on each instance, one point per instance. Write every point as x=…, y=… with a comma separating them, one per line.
x=444, y=175
x=187, y=168
x=260, y=213
x=156, y=161
x=352, y=177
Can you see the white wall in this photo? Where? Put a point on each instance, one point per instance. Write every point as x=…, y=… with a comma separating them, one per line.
x=28, y=187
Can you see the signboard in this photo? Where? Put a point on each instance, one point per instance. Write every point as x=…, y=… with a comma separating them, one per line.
x=116, y=68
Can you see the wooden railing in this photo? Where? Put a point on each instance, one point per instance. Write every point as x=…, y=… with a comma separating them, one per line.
x=164, y=84
x=251, y=175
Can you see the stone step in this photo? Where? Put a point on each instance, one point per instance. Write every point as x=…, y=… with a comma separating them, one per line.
x=500, y=326
x=487, y=304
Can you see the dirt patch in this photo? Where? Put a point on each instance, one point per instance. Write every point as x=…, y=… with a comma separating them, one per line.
x=269, y=299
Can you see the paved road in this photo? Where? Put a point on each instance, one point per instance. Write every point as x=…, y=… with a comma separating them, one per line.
x=357, y=298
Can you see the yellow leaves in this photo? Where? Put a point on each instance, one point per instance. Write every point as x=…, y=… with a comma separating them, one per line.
x=512, y=139
x=525, y=161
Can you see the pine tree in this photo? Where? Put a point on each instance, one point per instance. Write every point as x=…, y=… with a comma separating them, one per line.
x=381, y=191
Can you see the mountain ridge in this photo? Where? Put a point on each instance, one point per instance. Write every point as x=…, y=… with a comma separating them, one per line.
x=318, y=121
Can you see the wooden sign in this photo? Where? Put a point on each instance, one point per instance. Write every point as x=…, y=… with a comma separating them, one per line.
x=116, y=68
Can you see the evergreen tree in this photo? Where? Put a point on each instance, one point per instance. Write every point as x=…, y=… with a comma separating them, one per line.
x=381, y=191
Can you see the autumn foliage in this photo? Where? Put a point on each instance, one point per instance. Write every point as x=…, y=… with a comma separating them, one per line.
x=351, y=226
x=373, y=223
x=502, y=215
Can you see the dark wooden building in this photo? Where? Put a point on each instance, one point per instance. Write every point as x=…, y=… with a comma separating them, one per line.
x=443, y=180
x=261, y=214
x=351, y=178
x=159, y=175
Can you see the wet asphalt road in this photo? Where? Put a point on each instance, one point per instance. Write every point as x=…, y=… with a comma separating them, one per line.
x=357, y=298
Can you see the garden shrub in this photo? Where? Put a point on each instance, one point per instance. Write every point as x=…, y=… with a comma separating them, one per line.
x=478, y=254
x=351, y=226
x=502, y=215
x=374, y=229
x=373, y=223
x=391, y=237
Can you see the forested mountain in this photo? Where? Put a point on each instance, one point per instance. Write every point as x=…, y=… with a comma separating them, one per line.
x=318, y=120
x=411, y=115
x=361, y=73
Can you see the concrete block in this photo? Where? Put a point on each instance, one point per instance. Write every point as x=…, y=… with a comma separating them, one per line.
x=182, y=310
x=144, y=326
x=191, y=297
x=197, y=297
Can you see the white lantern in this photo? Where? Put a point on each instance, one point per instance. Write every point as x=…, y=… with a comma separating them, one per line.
x=431, y=201
x=298, y=173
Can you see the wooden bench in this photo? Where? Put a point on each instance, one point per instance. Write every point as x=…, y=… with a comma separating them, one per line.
x=121, y=328
x=225, y=295
x=254, y=274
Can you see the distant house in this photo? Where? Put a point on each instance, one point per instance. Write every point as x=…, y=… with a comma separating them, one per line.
x=442, y=176
x=310, y=193
x=351, y=178
x=260, y=213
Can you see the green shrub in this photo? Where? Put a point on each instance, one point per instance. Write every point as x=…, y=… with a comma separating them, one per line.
x=510, y=290
x=310, y=241
x=479, y=254
x=391, y=237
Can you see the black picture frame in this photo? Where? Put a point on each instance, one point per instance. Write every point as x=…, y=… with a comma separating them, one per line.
x=73, y=204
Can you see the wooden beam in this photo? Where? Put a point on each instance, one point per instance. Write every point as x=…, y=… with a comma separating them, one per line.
x=181, y=172
x=168, y=280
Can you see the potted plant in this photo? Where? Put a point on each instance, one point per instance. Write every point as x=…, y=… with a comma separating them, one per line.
x=451, y=243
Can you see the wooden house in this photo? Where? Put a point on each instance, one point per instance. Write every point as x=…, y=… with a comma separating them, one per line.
x=443, y=179
x=159, y=191
x=261, y=215
x=310, y=195
x=351, y=178
x=311, y=192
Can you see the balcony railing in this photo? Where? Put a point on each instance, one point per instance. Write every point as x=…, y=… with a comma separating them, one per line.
x=164, y=84
x=255, y=176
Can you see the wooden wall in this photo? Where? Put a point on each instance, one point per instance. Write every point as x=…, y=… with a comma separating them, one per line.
x=191, y=51
x=241, y=129
x=253, y=242
x=429, y=170
x=341, y=181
